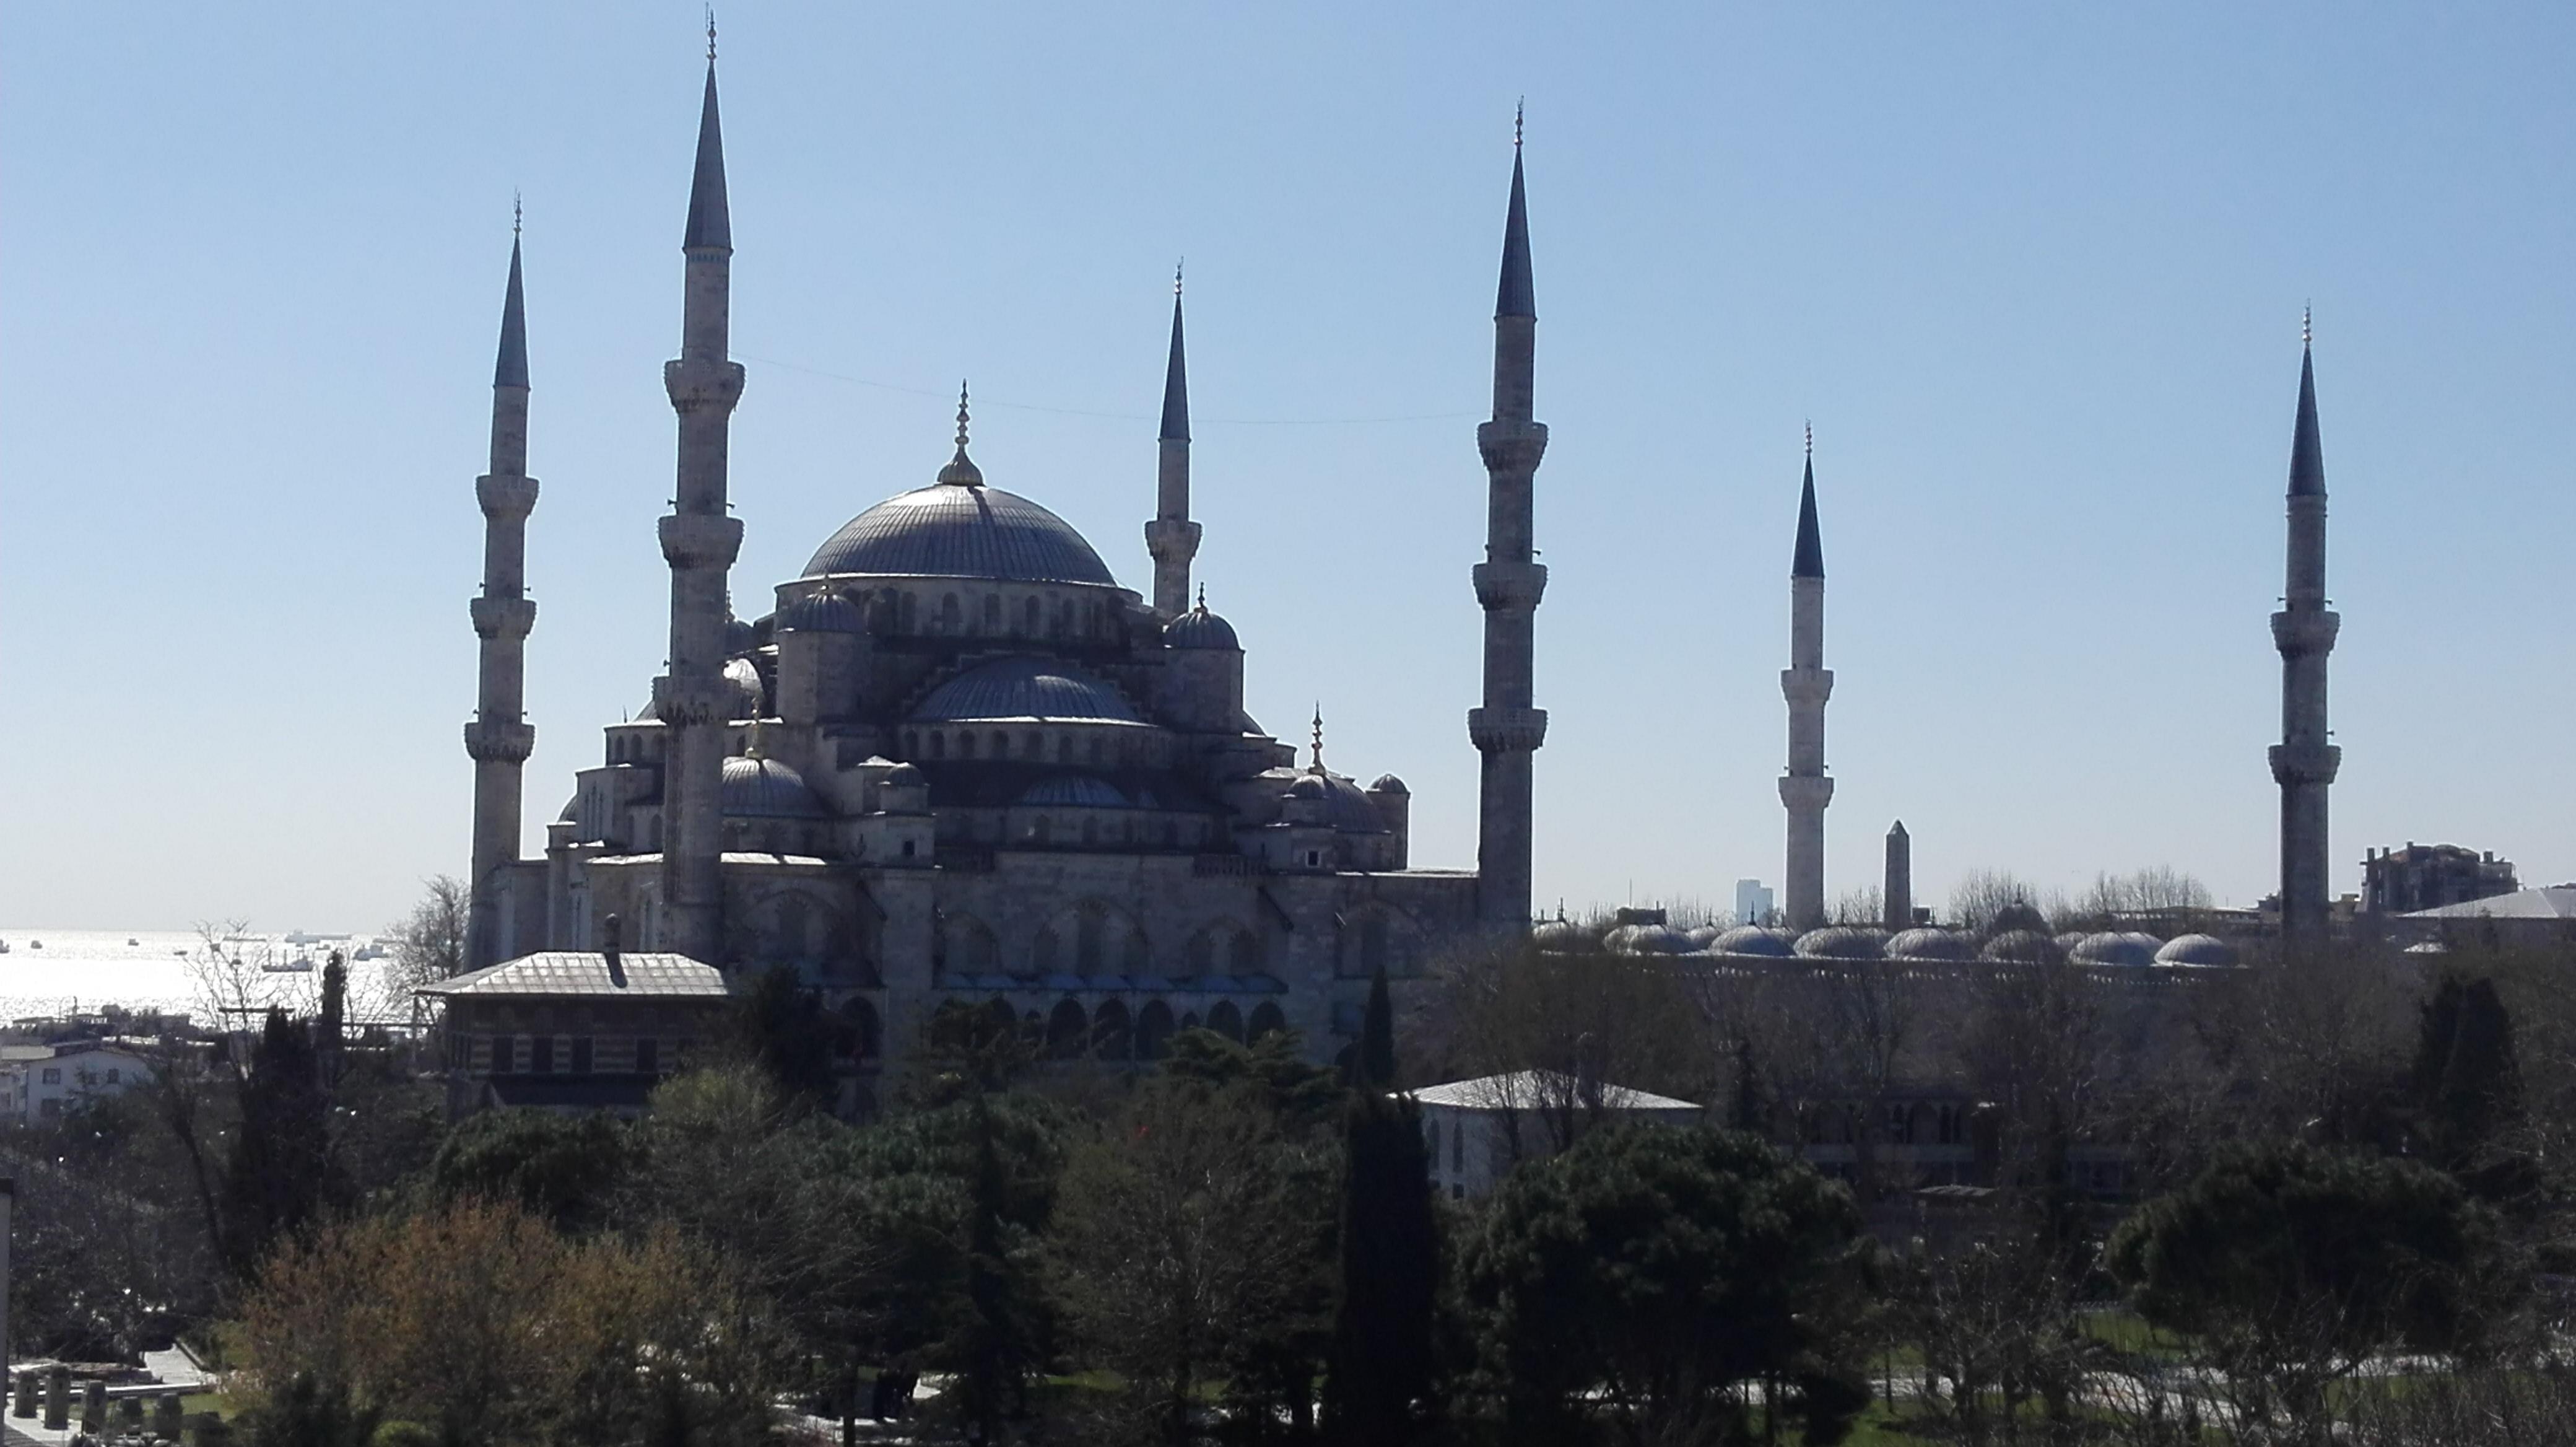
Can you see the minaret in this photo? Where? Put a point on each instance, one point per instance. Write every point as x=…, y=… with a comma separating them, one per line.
x=1171, y=538
x=2303, y=762
x=499, y=739
x=1507, y=731
x=1806, y=683
x=699, y=539
x=1899, y=893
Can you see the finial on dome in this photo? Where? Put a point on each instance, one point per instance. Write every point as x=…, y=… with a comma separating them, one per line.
x=755, y=744
x=961, y=470
x=1176, y=275
x=1202, y=597
x=1318, y=745
x=2307, y=325
x=1519, y=107
x=518, y=212
x=711, y=35
x=1811, y=437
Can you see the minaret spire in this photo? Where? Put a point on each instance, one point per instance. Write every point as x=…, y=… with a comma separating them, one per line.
x=2304, y=763
x=1171, y=539
x=1507, y=729
x=499, y=738
x=1806, y=683
x=700, y=539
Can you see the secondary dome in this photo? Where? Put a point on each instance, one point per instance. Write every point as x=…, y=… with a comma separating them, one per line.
x=1199, y=628
x=1839, y=942
x=951, y=530
x=2107, y=948
x=1024, y=688
x=2196, y=950
x=1075, y=789
x=768, y=789
x=2021, y=947
x=1930, y=944
x=1752, y=939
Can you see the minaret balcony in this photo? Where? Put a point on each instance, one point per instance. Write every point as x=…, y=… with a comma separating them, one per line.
x=1510, y=446
x=1806, y=793
x=1510, y=587
x=2305, y=763
x=698, y=383
x=502, y=618
x=1171, y=538
x=506, y=498
x=1507, y=730
x=1807, y=686
x=2298, y=632
x=691, y=540
x=499, y=741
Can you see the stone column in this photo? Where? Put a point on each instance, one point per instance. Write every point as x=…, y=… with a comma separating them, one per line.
x=93, y=1415
x=58, y=1398
x=22, y=1399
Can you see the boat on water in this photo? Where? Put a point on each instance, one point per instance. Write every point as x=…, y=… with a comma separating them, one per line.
x=132, y=943
x=35, y=944
x=4, y=947
x=300, y=965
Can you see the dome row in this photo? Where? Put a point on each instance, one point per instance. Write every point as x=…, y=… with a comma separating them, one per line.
x=1926, y=945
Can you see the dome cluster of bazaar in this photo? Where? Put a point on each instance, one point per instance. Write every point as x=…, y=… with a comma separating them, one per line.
x=2016, y=937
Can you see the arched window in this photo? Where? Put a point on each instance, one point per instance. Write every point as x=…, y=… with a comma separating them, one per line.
x=1042, y=955
x=909, y=612
x=992, y=612
x=1226, y=1021
x=948, y=613
x=1095, y=750
x=1029, y=616
x=1067, y=1031
x=1001, y=744
x=1153, y=1030
x=965, y=743
x=1109, y=1034
x=1064, y=748
x=1266, y=1020
x=938, y=744
x=968, y=946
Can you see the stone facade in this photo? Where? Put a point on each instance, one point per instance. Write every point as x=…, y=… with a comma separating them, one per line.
x=955, y=760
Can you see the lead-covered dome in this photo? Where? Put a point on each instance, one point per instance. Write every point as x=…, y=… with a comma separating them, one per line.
x=1839, y=942
x=952, y=530
x=1025, y=688
x=1199, y=628
x=2196, y=950
x=1752, y=939
x=1926, y=943
x=767, y=789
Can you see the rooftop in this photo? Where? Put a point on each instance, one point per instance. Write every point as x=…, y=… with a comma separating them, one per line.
x=561, y=973
x=1527, y=1089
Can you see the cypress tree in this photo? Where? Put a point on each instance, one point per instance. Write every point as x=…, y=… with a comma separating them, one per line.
x=1383, y=1323
x=281, y=1161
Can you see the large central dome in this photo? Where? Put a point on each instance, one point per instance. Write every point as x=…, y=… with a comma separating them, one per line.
x=947, y=530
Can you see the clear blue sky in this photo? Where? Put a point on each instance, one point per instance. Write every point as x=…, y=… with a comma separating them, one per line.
x=2035, y=272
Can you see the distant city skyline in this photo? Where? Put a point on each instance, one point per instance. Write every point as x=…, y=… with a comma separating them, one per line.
x=2035, y=276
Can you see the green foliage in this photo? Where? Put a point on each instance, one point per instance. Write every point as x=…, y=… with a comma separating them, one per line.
x=2467, y=1085
x=280, y=1176
x=1376, y=1055
x=782, y=1027
x=1380, y=1382
x=1646, y=1273
x=1299, y=1095
x=306, y=1412
x=564, y=1168
x=2292, y=1265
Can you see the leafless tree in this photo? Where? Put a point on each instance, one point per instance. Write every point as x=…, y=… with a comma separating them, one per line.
x=428, y=944
x=1982, y=894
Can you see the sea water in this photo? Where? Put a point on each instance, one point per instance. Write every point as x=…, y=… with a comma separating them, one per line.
x=208, y=976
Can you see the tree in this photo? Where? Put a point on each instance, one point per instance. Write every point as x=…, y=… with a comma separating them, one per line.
x=1384, y=1320
x=1191, y=1241
x=280, y=1176
x=2467, y=1086
x=564, y=1169
x=2291, y=1266
x=782, y=1027
x=1649, y=1274
x=429, y=943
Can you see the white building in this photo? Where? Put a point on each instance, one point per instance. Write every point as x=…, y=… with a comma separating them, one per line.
x=1752, y=902
x=1477, y=1130
x=40, y=1083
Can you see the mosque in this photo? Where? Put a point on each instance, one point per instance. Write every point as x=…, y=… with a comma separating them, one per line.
x=955, y=760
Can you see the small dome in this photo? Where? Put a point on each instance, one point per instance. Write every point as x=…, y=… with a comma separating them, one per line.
x=768, y=789
x=1311, y=786
x=2107, y=948
x=1199, y=628
x=1389, y=784
x=747, y=692
x=1753, y=939
x=740, y=638
x=1930, y=944
x=2018, y=916
x=2067, y=940
x=1702, y=936
x=1839, y=942
x=1024, y=688
x=904, y=776
x=1079, y=790
x=823, y=611
x=2196, y=950
x=1346, y=808
x=1646, y=939
x=1559, y=935
x=2021, y=947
